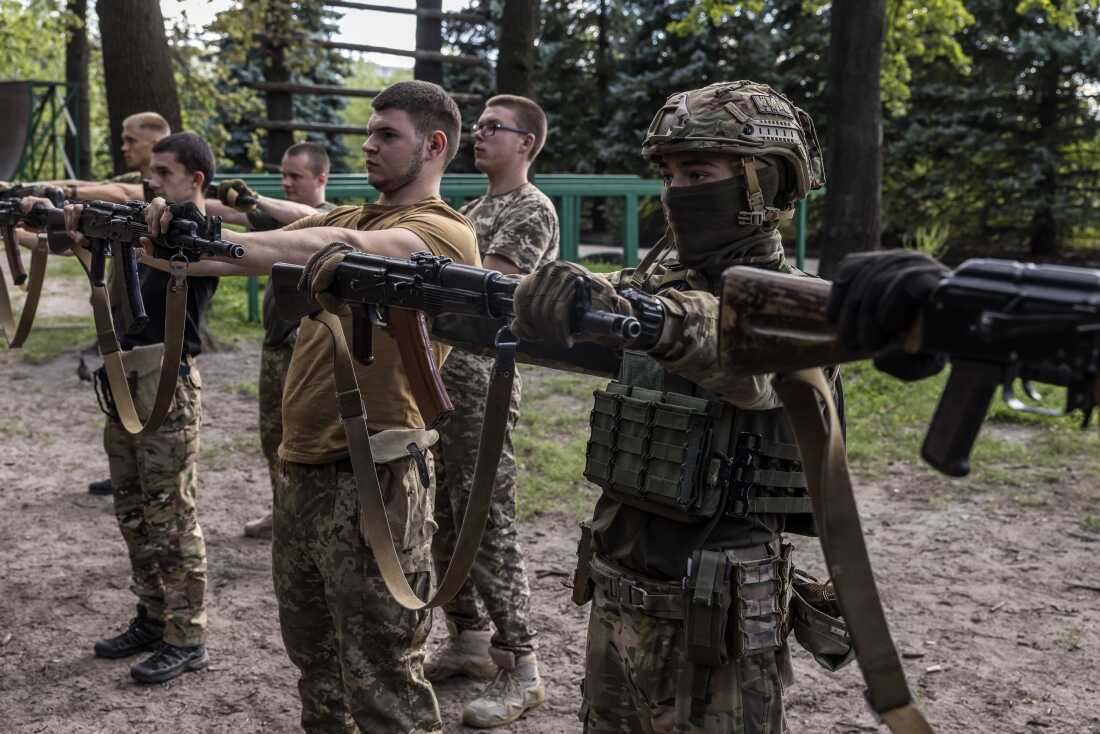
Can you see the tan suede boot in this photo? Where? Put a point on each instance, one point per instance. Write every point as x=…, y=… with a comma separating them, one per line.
x=260, y=528
x=464, y=653
x=516, y=689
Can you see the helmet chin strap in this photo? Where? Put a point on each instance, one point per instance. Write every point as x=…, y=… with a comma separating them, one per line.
x=759, y=215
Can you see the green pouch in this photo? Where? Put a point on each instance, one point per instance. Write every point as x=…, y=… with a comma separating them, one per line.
x=650, y=449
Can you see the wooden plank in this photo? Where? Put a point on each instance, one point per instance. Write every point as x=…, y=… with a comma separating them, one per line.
x=420, y=12
x=338, y=91
x=460, y=59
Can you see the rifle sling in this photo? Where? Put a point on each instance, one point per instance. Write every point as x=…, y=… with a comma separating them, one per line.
x=175, y=321
x=15, y=333
x=823, y=455
x=372, y=504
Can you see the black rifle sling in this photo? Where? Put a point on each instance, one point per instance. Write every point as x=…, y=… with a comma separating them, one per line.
x=821, y=444
x=372, y=504
x=175, y=321
x=16, y=333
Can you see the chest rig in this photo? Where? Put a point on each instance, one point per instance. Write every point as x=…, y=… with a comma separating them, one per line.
x=664, y=445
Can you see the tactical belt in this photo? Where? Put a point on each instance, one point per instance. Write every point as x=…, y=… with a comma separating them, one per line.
x=822, y=447
x=175, y=320
x=15, y=333
x=655, y=598
x=372, y=504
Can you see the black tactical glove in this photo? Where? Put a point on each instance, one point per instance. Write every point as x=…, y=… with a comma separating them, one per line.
x=876, y=297
x=236, y=193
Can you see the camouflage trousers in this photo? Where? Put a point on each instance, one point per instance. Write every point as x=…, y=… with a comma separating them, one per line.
x=635, y=676
x=274, y=363
x=155, y=482
x=497, y=588
x=359, y=653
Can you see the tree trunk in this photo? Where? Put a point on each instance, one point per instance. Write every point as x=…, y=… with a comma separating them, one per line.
x=429, y=37
x=137, y=67
x=854, y=193
x=78, y=148
x=519, y=26
x=279, y=106
x=1043, y=241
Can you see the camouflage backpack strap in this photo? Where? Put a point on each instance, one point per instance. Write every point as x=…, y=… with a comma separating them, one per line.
x=821, y=443
x=651, y=260
x=16, y=333
x=353, y=416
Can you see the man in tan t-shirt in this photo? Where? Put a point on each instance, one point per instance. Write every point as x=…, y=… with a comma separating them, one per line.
x=359, y=652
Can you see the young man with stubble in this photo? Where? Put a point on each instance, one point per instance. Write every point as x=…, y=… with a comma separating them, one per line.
x=360, y=654
x=517, y=231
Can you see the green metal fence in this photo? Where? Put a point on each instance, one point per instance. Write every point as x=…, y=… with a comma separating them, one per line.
x=568, y=191
x=44, y=154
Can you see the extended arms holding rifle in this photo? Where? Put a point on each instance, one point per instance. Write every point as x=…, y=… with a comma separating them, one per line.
x=117, y=230
x=12, y=216
x=995, y=321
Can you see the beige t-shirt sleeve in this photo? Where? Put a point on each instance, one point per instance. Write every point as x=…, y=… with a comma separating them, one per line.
x=451, y=237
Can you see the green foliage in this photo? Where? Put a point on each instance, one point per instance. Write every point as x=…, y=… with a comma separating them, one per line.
x=32, y=39
x=228, y=316
x=931, y=239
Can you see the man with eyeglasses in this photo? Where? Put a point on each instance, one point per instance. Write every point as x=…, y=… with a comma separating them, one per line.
x=517, y=231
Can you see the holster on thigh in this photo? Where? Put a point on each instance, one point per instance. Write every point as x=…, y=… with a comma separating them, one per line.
x=735, y=604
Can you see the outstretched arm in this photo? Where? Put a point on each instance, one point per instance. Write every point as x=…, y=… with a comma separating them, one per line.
x=284, y=211
x=264, y=249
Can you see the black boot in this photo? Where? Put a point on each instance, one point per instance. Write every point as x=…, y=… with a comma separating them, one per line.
x=103, y=487
x=168, y=662
x=144, y=633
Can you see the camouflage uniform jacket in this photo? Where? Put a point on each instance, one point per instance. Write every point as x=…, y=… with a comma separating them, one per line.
x=649, y=544
x=520, y=226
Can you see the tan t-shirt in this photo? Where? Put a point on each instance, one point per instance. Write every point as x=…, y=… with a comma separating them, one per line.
x=312, y=432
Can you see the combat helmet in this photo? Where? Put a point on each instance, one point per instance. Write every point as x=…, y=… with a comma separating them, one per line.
x=746, y=119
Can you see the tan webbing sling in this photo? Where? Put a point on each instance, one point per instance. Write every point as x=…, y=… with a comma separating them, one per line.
x=372, y=504
x=16, y=333
x=175, y=321
x=821, y=444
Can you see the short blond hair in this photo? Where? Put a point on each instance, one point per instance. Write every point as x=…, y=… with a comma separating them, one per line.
x=528, y=114
x=149, y=121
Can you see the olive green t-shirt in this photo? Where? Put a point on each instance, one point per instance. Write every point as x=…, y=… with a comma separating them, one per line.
x=312, y=432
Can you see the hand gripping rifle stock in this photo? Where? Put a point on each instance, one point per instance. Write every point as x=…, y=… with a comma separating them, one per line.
x=997, y=321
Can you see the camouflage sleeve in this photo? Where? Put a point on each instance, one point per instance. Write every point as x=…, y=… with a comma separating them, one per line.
x=689, y=347
x=527, y=235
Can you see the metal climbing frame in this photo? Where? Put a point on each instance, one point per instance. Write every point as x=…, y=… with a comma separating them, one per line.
x=44, y=153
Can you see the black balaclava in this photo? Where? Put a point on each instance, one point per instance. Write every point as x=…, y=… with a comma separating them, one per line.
x=704, y=222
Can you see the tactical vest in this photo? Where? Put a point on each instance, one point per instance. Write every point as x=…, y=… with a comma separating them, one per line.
x=664, y=445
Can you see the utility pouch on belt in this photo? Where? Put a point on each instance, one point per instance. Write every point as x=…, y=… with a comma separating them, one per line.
x=817, y=622
x=103, y=394
x=649, y=449
x=583, y=586
x=707, y=600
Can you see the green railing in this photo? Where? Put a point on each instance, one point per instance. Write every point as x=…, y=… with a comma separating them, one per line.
x=44, y=154
x=568, y=191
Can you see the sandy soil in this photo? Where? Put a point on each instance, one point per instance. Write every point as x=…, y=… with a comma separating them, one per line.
x=994, y=604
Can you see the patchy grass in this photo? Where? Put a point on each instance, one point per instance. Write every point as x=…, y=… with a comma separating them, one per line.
x=229, y=312
x=550, y=442
x=52, y=337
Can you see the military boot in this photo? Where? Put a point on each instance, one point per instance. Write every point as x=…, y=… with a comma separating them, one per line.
x=144, y=633
x=516, y=689
x=464, y=653
x=168, y=662
x=260, y=528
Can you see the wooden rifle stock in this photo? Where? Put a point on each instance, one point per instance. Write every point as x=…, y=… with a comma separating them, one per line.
x=410, y=329
x=775, y=322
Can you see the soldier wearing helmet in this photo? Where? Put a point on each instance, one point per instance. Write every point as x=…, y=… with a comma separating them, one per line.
x=693, y=588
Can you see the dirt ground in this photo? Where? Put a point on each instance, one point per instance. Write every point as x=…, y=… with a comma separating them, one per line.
x=995, y=606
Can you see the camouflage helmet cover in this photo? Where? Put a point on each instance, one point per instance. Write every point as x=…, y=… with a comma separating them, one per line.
x=740, y=118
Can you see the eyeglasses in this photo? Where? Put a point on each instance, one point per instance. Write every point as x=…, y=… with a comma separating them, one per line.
x=490, y=129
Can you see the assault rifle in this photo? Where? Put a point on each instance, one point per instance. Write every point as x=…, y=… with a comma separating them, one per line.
x=997, y=321
x=12, y=215
x=388, y=291
x=116, y=230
